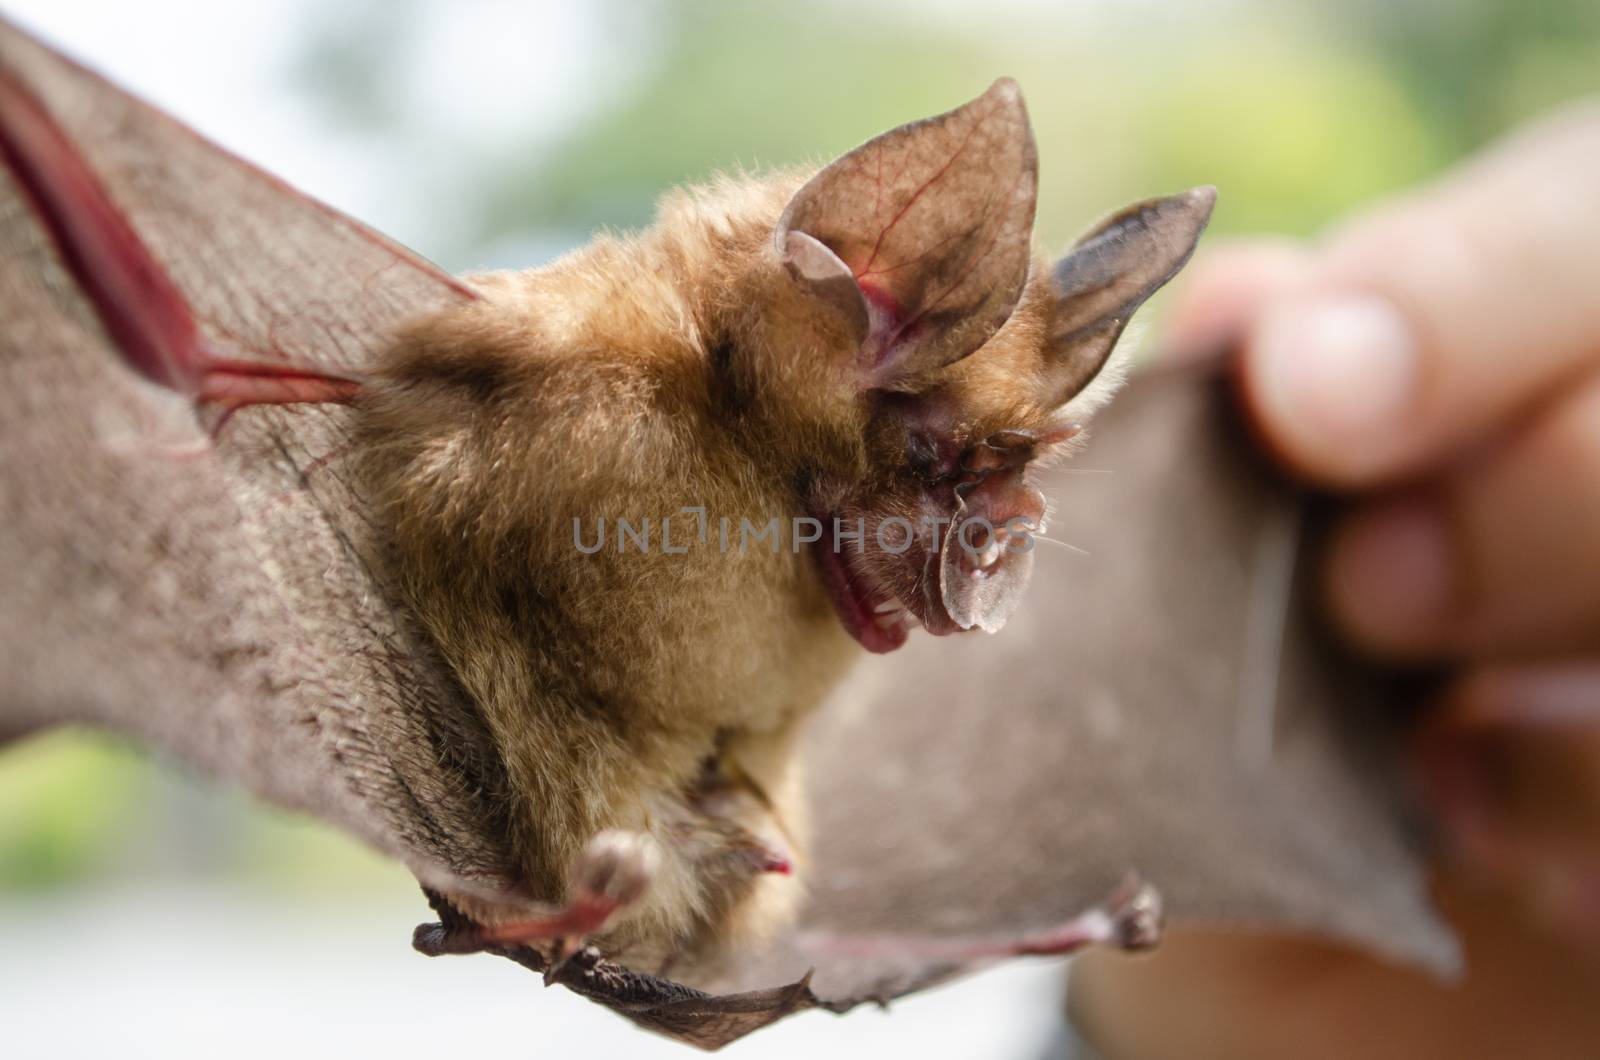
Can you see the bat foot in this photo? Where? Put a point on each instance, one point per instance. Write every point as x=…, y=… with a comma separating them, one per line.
x=1136, y=914
x=613, y=871
x=563, y=953
x=1130, y=919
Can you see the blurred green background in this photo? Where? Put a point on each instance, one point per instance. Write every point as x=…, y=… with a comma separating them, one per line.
x=1297, y=114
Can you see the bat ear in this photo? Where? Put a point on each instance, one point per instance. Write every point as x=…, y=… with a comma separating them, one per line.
x=921, y=236
x=1109, y=273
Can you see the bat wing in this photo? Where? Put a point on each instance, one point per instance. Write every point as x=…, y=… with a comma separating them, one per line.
x=187, y=562
x=1162, y=701
x=185, y=565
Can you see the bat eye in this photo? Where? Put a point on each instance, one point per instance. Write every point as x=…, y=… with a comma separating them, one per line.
x=922, y=456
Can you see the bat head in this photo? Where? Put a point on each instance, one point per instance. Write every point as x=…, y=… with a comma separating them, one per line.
x=927, y=358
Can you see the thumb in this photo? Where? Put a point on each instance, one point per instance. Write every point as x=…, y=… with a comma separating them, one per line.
x=1429, y=323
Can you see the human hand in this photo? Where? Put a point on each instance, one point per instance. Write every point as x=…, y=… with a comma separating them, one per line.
x=1438, y=359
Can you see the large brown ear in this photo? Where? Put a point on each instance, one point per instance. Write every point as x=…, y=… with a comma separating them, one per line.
x=922, y=235
x=1109, y=273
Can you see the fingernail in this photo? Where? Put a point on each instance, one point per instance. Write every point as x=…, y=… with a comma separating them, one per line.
x=1392, y=575
x=1334, y=377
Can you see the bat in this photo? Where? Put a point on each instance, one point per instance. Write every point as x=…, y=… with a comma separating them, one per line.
x=873, y=349
x=226, y=391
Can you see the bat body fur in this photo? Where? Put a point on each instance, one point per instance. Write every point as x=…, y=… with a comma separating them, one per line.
x=703, y=363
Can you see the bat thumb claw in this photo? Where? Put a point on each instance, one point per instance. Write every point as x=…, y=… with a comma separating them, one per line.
x=1137, y=915
x=561, y=955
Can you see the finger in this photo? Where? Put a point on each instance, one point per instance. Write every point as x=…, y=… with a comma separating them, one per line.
x=1503, y=772
x=1498, y=558
x=1221, y=292
x=1510, y=763
x=1232, y=995
x=1554, y=694
x=1433, y=320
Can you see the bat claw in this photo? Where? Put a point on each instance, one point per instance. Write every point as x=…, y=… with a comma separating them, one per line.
x=615, y=869
x=1130, y=918
x=1137, y=915
x=561, y=955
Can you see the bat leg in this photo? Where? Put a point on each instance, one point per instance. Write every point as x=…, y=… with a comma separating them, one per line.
x=733, y=824
x=1129, y=919
x=561, y=935
x=149, y=321
x=612, y=872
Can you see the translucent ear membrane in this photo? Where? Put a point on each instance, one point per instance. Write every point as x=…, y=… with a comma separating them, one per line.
x=829, y=279
x=933, y=222
x=1109, y=273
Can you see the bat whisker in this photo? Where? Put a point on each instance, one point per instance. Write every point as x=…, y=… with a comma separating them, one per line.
x=1061, y=544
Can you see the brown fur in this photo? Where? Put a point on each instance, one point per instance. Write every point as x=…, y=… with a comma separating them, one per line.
x=588, y=389
x=638, y=375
